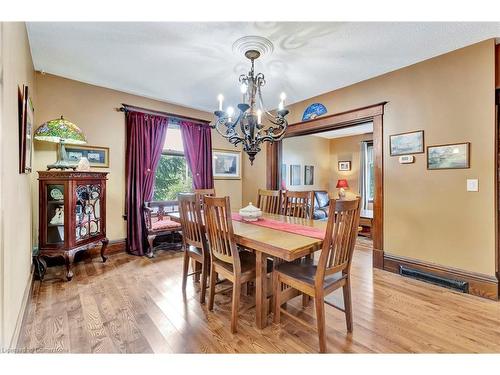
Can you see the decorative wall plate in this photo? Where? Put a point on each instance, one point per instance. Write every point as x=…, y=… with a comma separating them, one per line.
x=56, y=194
x=313, y=111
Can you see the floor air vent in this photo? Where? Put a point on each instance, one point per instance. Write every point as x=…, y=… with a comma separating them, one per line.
x=459, y=285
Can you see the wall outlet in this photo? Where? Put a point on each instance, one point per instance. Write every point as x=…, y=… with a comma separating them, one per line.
x=472, y=184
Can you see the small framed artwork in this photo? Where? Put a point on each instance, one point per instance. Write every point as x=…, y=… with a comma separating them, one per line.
x=309, y=175
x=407, y=143
x=344, y=165
x=450, y=156
x=294, y=174
x=26, y=115
x=97, y=156
x=283, y=176
x=226, y=164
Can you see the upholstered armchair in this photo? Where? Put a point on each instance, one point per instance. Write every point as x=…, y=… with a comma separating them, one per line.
x=321, y=200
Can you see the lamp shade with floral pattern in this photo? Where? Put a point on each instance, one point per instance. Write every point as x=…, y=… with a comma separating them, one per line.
x=60, y=131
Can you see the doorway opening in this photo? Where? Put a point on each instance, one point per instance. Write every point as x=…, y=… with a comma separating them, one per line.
x=281, y=174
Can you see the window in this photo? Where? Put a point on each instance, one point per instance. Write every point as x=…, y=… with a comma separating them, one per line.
x=370, y=180
x=172, y=175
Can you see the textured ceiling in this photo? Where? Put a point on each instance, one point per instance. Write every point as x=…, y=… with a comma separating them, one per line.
x=190, y=63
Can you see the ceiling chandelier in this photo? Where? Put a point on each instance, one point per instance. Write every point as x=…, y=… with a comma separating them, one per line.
x=247, y=127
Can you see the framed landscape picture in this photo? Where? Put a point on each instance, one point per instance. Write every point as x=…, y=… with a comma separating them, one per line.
x=309, y=175
x=295, y=174
x=226, y=164
x=344, y=165
x=98, y=156
x=407, y=143
x=451, y=156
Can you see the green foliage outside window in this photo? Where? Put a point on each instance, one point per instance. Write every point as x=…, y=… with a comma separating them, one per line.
x=172, y=177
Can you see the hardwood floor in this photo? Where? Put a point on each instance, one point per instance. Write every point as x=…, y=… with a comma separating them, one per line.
x=135, y=305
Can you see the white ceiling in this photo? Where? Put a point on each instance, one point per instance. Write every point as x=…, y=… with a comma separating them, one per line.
x=347, y=132
x=191, y=63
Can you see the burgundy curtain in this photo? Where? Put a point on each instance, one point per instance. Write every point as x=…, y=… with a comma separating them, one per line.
x=145, y=140
x=197, y=140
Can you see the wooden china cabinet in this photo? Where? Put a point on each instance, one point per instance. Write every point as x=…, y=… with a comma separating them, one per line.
x=72, y=215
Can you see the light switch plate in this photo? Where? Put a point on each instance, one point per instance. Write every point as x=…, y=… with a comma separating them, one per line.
x=472, y=185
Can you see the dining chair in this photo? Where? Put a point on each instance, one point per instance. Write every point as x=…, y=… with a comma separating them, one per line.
x=205, y=192
x=269, y=201
x=330, y=273
x=194, y=240
x=236, y=266
x=202, y=193
x=298, y=204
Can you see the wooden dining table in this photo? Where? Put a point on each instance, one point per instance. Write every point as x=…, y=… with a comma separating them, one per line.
x=267, y=242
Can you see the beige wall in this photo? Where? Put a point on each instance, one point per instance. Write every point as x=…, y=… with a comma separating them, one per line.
x=346, y=149
x=428, y=215
x=308, y=150
x=93, y=109
x=15, y=189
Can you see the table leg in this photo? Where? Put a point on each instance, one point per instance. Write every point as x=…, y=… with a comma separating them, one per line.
x=261, y=289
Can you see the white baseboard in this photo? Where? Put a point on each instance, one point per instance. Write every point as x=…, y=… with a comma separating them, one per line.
x=20, y=318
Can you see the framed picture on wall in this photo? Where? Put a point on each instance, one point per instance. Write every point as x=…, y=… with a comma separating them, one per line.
x=283, y=176
x=226, y=165
x=344, y=165
x=295, y=174
x=407, y=143
x=97, y=156
x=450, y=156
x=309, y=175
x=26, y=115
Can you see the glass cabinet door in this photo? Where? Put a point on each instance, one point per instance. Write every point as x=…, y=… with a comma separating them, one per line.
x=87, y=211
x=55, y=213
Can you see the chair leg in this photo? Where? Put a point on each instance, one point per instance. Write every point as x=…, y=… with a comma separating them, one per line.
x=150, y=253
x=348, y=304
x=204, y=276
x=235, y=305
x=320, y=320
x=305, y=300
x=211, y=293
x=196, y=268
x=276, y=297
x=185, y=269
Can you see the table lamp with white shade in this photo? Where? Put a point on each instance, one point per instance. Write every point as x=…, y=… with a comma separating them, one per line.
x=62, y=132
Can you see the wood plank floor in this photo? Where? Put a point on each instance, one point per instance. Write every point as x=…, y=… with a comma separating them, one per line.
x=135, y=305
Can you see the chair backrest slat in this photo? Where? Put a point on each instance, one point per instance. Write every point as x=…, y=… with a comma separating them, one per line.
x=202, y=193
x=191, y=220
x=340, y=237
x=219, y=227
x=269, y=201
x=298, y=204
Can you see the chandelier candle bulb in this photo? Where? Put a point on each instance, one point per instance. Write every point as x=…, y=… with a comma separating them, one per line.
x=259, y=116
x=220, y=98
x=281, y=106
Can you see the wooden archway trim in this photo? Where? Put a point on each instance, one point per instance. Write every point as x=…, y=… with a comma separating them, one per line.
x=373, y=113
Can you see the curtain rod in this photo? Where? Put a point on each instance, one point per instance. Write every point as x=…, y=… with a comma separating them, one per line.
x=128, y=108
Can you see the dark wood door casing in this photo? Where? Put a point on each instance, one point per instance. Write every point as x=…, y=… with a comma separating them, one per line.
x=373, y=113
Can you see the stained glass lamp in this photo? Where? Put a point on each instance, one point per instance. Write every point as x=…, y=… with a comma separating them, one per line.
x=63, y=132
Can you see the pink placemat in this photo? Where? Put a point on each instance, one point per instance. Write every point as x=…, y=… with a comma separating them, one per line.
x=303, y=230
